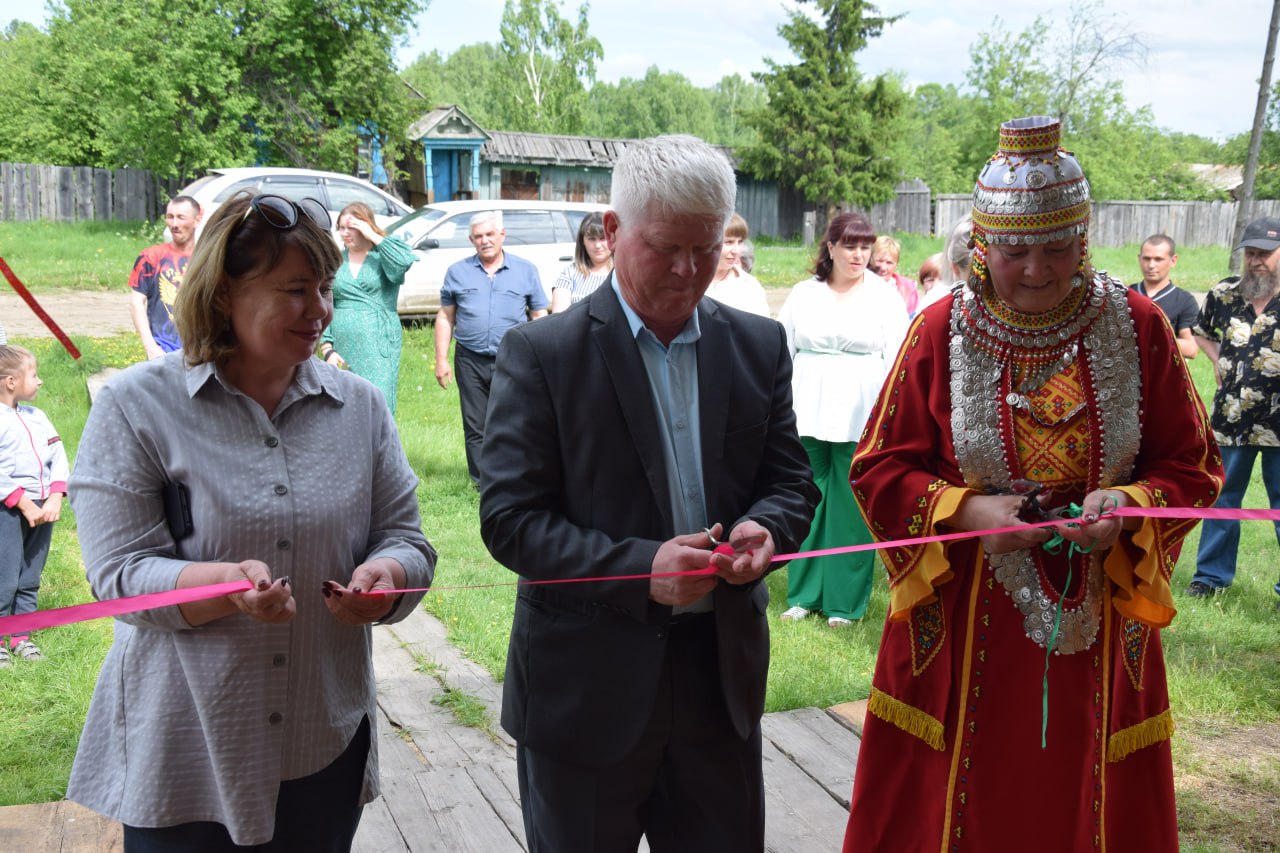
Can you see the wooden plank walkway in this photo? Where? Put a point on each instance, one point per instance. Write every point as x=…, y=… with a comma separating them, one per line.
x=451, y=787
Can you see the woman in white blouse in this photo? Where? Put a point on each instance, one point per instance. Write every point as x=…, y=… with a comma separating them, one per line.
x=844, y=327
x=732, y=284
x=592, y=262
x=247, y=719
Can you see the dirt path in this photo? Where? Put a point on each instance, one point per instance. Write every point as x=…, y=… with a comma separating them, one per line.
x=80, y=313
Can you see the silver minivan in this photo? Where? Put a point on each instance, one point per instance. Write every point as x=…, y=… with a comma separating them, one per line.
x=542, y=232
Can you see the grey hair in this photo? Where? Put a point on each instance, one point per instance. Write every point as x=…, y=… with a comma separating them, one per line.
x=494, y=216
x=673, y=176
x=957, y=249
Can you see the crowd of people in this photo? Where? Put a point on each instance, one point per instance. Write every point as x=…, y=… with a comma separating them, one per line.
x=1009, y=383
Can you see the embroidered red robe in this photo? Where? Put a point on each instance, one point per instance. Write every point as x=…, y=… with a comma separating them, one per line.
x=951, y=756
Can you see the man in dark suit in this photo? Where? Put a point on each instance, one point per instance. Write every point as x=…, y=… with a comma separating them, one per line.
x=617, y=432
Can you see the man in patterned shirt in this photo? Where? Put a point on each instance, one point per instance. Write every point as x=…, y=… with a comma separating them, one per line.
x=1239, y=329
x=157, y=275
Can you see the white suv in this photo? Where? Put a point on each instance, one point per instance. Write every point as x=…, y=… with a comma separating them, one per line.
x=542, y=232
x=331, y=189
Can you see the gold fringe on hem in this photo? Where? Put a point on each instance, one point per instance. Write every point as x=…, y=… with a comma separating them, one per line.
x=911, y=720
x=1145, y=733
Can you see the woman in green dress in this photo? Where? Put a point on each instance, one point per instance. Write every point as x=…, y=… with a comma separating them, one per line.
x=365, y=333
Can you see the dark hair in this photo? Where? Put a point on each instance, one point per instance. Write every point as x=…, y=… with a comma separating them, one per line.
x=737, y=227
x=592, y=226
x=932, y=266
x=847, y=228
x=1160, y=238
x=180, y=199
x=236, y=246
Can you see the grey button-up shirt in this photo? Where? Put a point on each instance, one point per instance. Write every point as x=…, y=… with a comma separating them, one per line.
x=202, y=724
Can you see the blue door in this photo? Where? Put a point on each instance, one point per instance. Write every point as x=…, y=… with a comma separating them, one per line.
x=444, y=170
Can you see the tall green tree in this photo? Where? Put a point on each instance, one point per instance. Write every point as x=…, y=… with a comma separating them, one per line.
x=473, y=77
x=551, y=63
x=185, y=85
x=825, y=130
x=731, y=99
x=661, y=102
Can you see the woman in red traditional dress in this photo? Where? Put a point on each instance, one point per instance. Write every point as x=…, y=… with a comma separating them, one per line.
x=1040, y=371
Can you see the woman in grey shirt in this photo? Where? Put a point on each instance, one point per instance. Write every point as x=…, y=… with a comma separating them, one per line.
x=244, y=720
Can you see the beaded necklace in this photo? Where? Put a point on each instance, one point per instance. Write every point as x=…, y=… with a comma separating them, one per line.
x=1036, y=346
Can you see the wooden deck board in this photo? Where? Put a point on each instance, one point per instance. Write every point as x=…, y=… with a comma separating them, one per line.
x=800, y=816
x=824, y=748
x=449, y=787
x=63, y=826
x=464, y=819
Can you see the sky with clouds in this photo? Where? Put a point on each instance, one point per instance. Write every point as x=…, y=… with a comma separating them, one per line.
x=1200, y=74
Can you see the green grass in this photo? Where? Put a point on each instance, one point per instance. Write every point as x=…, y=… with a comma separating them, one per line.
x=99, y=256
x=1224, y=674
x=49, y=256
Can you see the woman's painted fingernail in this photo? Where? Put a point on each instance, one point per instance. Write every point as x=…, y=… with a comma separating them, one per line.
x=263, y=585
x=325, y=590
x=284, y=581
x=357, y=590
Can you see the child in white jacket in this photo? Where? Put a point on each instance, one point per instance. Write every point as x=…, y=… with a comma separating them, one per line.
x=33, y=480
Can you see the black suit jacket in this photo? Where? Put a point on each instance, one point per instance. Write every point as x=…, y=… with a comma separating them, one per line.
x=573, y=485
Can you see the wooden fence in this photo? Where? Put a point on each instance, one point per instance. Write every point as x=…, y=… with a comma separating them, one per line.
x=31, y=192
x=1122, y=223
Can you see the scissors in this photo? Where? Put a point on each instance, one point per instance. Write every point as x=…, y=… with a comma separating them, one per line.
x=736, y=546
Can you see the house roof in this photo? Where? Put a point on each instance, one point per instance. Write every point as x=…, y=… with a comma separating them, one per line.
x=446, y=121
x=544, y=149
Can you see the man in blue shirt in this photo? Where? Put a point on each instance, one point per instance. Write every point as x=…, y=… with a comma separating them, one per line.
x=483, y=296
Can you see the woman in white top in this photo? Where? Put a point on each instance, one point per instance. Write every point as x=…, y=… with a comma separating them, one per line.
x=592, y=263
x=733, y=285
x=844, y=327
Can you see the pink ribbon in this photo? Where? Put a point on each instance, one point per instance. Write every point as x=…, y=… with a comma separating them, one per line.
x=28, y=622
x=21, y=289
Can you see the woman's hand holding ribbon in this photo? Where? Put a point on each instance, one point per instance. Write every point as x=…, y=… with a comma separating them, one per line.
x=992, y=512
x=269, y=601
x=350, y=606
x=1096, y=529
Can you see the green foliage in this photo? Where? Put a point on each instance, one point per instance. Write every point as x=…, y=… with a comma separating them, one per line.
x=826, y=131
x=187, y=85
x=75, y=256
x=1266, y=182
x=661, y=102
x=473, y=77
x=550, y=61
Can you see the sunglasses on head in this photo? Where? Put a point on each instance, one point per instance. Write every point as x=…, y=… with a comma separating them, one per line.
x=280, y=212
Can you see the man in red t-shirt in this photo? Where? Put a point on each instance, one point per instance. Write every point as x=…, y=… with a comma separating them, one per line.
x=157, y=275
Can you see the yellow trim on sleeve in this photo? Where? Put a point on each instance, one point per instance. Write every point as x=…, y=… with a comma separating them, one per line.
x=931, y=566
x=1150, y=731
x=911, y=720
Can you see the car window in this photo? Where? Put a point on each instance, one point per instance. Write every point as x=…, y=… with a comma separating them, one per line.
x=528, y=227
x=294, y=188
x=409, y=228
x=452, y=233
x=567, y=222
x=242, y=184
x=343, y=193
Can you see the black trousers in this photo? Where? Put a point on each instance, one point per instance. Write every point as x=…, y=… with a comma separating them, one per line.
x=691, y=784
x=474, y=374
x=317, y=813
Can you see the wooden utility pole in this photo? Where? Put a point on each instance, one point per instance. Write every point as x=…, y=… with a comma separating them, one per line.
x=1244, y=212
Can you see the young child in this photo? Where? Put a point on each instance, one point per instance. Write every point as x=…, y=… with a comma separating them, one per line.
x=33, y=479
